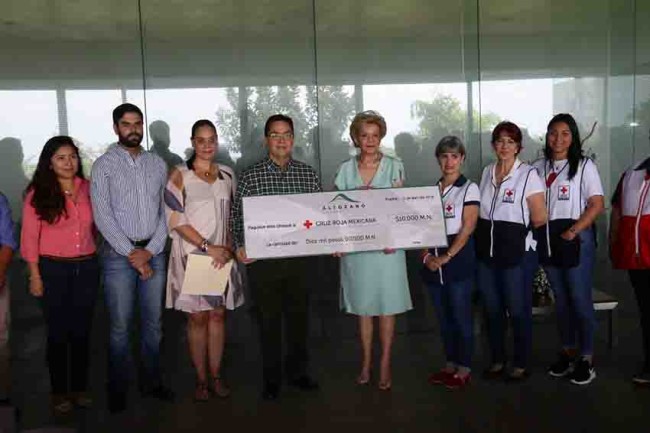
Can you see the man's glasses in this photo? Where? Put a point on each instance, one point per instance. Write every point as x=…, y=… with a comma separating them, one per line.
x=285, y=136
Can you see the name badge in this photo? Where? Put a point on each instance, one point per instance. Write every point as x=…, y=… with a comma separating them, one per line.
x=450, y=210
x=563, y=192
x=509, y=196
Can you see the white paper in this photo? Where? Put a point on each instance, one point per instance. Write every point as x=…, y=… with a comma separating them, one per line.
x=202, y=278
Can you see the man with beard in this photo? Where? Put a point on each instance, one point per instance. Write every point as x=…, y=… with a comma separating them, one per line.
x=126, y=191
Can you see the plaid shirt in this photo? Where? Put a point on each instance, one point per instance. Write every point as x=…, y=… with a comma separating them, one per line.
x=268, y=178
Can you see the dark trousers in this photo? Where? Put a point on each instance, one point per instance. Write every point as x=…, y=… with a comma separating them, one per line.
x=70, y=290
x=640, y=280
x=281, y=293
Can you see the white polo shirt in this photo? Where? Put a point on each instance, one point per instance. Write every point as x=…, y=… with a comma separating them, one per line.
x=567, y=198
x=504, y=217
x=455, y=197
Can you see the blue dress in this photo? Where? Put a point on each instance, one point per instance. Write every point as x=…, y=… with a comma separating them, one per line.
x=373, y=283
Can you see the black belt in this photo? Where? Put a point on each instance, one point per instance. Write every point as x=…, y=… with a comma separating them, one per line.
x=141, y=243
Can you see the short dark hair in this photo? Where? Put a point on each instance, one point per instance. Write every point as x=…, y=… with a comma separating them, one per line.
x=450, y=143
x=121, y=110
x=277, y=118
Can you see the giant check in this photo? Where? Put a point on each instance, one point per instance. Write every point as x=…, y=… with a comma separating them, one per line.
x=343, y=221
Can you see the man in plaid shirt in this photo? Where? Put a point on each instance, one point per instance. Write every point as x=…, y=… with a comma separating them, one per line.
x=279, y=286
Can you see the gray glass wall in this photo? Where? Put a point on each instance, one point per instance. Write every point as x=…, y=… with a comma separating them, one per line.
x=430, y=67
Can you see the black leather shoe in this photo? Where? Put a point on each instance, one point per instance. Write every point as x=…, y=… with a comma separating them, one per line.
x=116, y=402
x=304, y=383
x=271, y=391
x=161, y=393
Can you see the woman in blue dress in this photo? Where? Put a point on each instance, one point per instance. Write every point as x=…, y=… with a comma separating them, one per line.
x=373, y=283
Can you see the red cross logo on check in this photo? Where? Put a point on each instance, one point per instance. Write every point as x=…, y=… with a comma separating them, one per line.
x=563, y=190
x=509, y=193
x=308, y=224
x=449, y=208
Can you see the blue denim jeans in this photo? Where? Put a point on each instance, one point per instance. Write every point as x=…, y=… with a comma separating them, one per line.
x=508, y=292
x=122, y=286
x=453, y=305
x=573, y=300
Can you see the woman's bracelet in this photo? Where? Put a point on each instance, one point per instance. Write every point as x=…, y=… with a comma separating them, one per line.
x=426, y=256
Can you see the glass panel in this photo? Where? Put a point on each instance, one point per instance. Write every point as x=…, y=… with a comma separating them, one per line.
x=24, y=129
x=90, y=121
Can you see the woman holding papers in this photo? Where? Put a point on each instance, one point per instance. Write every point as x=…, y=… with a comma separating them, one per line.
x=567, y=246
x=197, y=201
x=512, y=200
x=58, y=244
x=449, y=272
x=373, y=283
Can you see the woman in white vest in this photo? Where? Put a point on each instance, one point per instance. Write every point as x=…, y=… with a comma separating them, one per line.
x=629, y=240
x=449, y=272
x=566, y=244
x=512, y=200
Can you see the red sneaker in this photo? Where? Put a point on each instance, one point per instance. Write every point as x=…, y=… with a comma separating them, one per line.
x=456, y=382
x=439, y=377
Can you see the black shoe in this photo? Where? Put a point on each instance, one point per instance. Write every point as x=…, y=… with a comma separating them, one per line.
x=116, y=402
x=583, y=373
x=304, y=383
x=271, y=391
x=160, y=392
x=563, y=366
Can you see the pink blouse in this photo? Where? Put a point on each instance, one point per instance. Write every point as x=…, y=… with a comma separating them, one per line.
x=70, y=236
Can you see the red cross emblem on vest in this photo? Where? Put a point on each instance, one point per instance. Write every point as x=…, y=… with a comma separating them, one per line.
x=450, y=210
x=308, y=224
x=563, y=192
x=509, y=196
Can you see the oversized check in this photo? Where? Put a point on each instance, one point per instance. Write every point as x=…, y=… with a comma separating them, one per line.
x=343, y=221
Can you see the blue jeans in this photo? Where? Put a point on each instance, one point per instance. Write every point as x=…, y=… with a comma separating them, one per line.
x=122, y=285
x=509, y=290
x=453, y=305
x=573, y=301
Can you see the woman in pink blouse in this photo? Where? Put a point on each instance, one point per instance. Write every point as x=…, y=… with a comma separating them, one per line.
x=58, y=244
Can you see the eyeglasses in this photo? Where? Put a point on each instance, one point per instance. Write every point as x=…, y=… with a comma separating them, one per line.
x=285, y=136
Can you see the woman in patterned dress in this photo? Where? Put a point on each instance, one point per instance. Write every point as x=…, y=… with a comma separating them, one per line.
x=197, y=201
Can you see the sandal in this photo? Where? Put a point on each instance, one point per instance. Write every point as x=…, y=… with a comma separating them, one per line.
x=385, y=386
x=201, y=392
x=82, y=400
x=61, y=405
x=363, y=379
x=219, y=387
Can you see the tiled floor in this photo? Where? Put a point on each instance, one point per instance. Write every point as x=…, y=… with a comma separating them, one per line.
x=539, y=405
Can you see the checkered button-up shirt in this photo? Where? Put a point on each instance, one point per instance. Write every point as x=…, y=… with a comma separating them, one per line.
x=268, y=178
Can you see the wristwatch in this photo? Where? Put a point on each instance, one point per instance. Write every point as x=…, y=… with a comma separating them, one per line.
x=204, y=246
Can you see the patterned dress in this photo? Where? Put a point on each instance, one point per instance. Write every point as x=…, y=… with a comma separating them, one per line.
x=373, y=283
x=206, y=207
